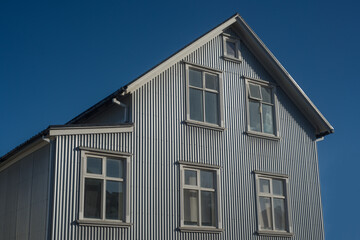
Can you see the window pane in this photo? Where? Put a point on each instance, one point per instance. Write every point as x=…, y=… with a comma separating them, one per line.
x=279, y=214
x=267, y=113
x=211, y=107
x=190, y=177
x=92, y=198
x=254, y=91
x=114, y=168
x=264, y=185
x=230, y=49
x=211, y=81
x=114, y=200
x=195, y=78
x=94, y=165
x=265, y=213
x=254, y=116
x=207, y=179
x=278, y=187
x=208, y=208
x=196, y=105
x=191, y=211
x=266, y=94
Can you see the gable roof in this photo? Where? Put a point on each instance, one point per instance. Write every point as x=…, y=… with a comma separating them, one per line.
x=258, y=48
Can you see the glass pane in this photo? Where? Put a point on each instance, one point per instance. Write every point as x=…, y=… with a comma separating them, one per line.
x=190, y=177
x=211, y=81
x=207, y=179
x=208, y=208
x=279, y=214
x=195, y=78
x=230, y=49
x=114, y=200
x=254, y=91
x=264, y=185
x=265, y=213
x=94, y=165
x=211, y=107
x=191, y=211
x=92, y=198
x=278, y=187
x=254, y=116
x=196, y=105
x=115, y=168
x=266, y=94
x=267, y=114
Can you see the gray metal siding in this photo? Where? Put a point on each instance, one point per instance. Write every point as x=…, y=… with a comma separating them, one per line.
x=24, y=197
x=160, y=139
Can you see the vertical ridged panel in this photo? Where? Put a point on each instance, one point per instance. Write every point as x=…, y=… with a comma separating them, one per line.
x=160, y=139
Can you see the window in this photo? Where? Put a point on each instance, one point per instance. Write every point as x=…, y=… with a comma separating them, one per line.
x=104, y=187
x=272, y=203
x=203, y=96
x=231, y=48
x=261, y=107
x=200, y=197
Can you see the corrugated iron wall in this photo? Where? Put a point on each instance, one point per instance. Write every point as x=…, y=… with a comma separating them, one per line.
x=160, y=139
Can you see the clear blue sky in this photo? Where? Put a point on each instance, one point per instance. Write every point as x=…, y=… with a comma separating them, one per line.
x=58, y=58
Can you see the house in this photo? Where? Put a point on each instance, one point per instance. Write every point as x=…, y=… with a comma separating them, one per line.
x=216, y=142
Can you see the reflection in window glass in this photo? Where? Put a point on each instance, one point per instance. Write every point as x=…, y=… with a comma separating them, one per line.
x=254, y=116
x=264, y=185
x=207, y=179
x=265, y=213
x=114, y=168
x=114, y=200
x=196, y=105
x=230, y=49
x=266, y=94
x=195, y=78
x=94, y=165
x=211, y=81
x=211, y=107
x=278, y=187
x=190, y=177
x=279, y=214
x=92, y=198
x=207, y=208
x=267, y=114
x=191, y=207
x=254, y=91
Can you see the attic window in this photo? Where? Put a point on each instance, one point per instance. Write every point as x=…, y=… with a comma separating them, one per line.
x=261, y=108
x=231, y=48
x=203, y=97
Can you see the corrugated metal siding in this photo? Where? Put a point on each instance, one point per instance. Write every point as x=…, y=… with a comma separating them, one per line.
x=160, y=139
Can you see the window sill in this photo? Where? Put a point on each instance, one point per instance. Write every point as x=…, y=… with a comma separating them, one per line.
x=201, y=229
x=274, y=233
x=204, y=125
x=237, y=60
x=262, y=135
x=106, y=223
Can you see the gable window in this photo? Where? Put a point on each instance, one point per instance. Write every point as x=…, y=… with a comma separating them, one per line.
x=104, y=188
x=272, y=203
x=261, y=107
x=203, y=96
x=200, y=198
x=231, y=47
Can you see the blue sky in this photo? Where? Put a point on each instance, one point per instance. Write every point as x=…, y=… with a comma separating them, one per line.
x=58, y=58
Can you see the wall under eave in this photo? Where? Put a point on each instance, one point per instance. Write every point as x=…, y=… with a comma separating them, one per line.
x=24, y=197
x=160, y=139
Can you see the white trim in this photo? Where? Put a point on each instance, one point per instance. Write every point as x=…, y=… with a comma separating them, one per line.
x=236, y=41
x=217, y=189
x=103, y=154
x=288, y=223
x=89, y=130
x=219, y=92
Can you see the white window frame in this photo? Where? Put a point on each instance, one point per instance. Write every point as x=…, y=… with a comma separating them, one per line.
x=261, y=134
x=288, y=223
x=191, y=122
x=198, y=167
x=104, y=154
x=229, y=38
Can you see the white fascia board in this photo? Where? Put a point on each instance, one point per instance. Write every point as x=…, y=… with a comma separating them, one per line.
x=179, y=56
x=56, y=131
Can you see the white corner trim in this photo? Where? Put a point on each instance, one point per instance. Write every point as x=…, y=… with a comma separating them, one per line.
x=89, y=130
